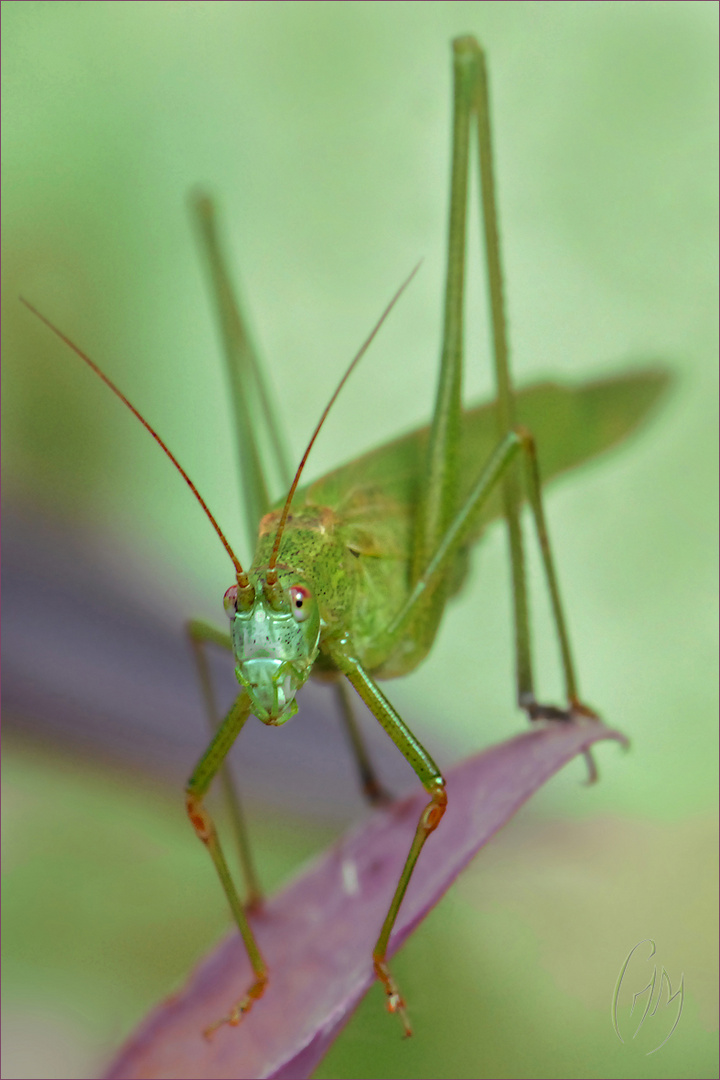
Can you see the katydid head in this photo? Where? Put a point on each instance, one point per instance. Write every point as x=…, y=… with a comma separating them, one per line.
x=275, y=630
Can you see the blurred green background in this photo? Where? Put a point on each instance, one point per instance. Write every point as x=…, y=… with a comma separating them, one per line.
x=324, y=129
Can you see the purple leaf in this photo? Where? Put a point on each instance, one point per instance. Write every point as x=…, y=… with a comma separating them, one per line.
x=317, y=935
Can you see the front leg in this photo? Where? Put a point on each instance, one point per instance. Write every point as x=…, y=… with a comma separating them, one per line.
x=415, y=753
x=202, y=634
x=195, y=791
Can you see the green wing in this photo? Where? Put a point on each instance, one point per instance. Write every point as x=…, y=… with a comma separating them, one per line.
x=571, y=424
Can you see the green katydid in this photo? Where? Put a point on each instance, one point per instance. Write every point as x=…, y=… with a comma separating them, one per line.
x=351, y=574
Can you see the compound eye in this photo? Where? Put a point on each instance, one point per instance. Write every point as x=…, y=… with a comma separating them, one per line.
x=230, y=602
x=300, y=598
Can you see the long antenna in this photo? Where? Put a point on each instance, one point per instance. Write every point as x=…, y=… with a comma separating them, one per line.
x=242, y=578
x=272, y=574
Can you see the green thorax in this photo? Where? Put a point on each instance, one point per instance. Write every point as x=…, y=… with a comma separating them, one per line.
x=354, y=557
